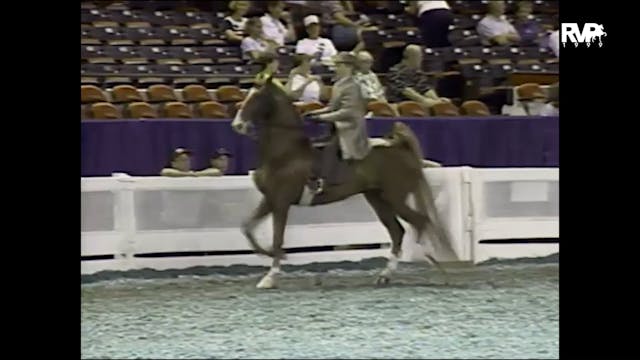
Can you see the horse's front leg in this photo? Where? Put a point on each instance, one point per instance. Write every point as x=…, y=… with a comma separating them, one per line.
x=280, y=215
x=250, y=224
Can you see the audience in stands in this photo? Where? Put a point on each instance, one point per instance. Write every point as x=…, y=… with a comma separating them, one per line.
x=554, y=42
x=370, y=85
x=495, y=29
x=434, y=19
x=255, y=45
x=345, y=33
x=219, y=164
x=407, y=81
x=320, y=49
x=303, y=86
x=273, y=26
x=528, y=28
x=372, y=89
x=234, y=24
x=179, y=164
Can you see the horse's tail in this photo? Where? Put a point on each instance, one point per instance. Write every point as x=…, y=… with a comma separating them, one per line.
x=423, y=196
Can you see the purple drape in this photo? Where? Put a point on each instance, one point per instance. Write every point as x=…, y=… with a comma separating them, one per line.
x=142, y=147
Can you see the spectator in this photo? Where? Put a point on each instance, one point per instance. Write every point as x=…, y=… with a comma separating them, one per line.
x=255, y=45
x=554, y=42
x=370, y=86
x=302, y=85
x=234, y=24
x=273, y=27
x=494, y=28
x=219, y=164
x=434, y=19
x=407, y=81
x=553, y=106
x=270, y=66
x=528, y=28
x=346, y=34
x=179, y=164
x=321, y=49
x=372, y=89
x=530, y=100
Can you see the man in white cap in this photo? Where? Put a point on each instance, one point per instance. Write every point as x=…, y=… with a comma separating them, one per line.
x=320, y=49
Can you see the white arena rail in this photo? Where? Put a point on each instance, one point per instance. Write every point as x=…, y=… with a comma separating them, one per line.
x=175, y=223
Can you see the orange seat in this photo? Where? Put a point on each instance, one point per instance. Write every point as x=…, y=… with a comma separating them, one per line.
x=126, y=94
x=161, y=93
x=142, y=110
x=530, y=91
x=411, y=109
x=213, y=110
x=90, y=94
x=195, y=93
x=229, y=93
x=380, y=108
x=445, y=109
x=177, y=109
x=474, y=108
x=104, y=110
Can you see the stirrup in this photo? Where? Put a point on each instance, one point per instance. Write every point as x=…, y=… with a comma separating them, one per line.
x=315, y=186
x=320, y=187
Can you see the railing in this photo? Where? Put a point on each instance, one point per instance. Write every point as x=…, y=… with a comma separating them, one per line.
x=173, y=223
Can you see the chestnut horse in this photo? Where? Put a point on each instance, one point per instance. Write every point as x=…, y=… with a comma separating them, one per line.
x=389, y=178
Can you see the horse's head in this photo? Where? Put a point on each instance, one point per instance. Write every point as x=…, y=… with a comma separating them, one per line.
x=265, y=107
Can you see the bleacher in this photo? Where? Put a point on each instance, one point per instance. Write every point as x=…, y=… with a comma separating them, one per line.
x=138, y=47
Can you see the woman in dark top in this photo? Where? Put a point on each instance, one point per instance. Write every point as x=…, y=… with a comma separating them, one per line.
x=234, y=24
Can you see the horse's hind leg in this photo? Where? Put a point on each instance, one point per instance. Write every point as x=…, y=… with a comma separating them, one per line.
x=396, y=232
x=420, y=222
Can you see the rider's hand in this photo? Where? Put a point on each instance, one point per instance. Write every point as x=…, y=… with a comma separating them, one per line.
x=311, y=117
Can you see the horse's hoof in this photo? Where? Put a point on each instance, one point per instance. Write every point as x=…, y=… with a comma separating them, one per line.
x=382, y=280
x=267, y=282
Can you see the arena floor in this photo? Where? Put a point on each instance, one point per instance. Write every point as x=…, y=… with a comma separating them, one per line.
x=499, y=310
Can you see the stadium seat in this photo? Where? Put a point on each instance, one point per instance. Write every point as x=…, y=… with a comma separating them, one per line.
x=104, y=110
x=125, y=94
x=530, y=91
x=160, y=94
x=90, y=94
x=212, y=110
x=195, y=93
x=411, y=109
x=474, y=108
x=381, y=109
x=229, y=93
x=177, y=110
x=141, y=110
x=445, y=109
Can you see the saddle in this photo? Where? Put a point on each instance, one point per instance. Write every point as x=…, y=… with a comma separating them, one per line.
x=328, y=163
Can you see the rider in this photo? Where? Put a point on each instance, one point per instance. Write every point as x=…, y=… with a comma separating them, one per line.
x=346, y=111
